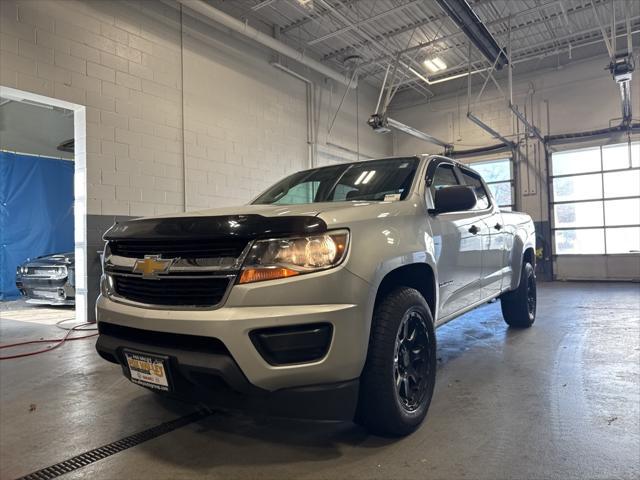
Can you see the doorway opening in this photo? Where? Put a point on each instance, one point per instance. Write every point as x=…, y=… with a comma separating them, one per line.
x=43, y=208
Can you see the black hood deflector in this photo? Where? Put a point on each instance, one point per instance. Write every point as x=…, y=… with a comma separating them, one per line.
x=203, y=228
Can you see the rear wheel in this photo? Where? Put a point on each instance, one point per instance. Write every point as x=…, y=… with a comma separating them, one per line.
x=399, y=375
x=519, y=305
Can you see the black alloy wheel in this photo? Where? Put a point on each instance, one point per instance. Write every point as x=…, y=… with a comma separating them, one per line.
x=399, y=375
x=411, y=360
x=531, y=295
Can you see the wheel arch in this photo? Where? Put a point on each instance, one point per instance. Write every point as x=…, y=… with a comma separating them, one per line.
x=529, y=256
x=522, y=253
x=420, y=276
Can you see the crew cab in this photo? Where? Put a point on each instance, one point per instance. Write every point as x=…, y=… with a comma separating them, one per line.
x=320, y=298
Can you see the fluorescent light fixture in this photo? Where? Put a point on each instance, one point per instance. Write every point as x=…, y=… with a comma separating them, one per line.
x=435, y=64
x=439, y=63
x=430, y=66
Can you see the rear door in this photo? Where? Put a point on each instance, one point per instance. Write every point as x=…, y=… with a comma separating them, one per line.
x=493, y=241
x=458, y=248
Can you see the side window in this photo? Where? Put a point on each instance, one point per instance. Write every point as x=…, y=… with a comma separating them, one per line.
x=474, y=181
x=444, y=177
x=300, y=193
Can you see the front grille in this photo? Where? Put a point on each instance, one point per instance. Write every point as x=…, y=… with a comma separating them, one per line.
x=175, y=249
x=173, y=291
x=45, y=271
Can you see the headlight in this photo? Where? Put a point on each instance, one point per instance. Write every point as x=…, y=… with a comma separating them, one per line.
x=287, y=257
x=106, y=253
x=106, y=285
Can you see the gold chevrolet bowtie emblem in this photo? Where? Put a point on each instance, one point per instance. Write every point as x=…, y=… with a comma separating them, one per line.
x=151, y=266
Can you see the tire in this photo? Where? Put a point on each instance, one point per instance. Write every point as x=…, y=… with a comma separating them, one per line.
x=519, y=305
x=399, y=375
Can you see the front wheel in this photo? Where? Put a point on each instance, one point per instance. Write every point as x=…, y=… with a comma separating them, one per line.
x=399, y=375
x=519, y=305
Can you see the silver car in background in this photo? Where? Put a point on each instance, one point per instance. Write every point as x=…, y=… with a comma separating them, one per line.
x=48, y=280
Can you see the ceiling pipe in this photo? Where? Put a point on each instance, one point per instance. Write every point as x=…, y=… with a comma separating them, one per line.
x=311, y=103
x=243, y=28
x=476, y=31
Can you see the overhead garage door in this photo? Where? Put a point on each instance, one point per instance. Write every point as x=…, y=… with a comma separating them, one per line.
x=596, y=211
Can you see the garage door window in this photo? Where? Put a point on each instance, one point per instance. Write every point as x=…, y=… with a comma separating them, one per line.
x=596, y=200
x=498, y=176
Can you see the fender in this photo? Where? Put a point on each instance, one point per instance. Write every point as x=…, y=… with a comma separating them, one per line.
x=387, y=266
x=522, y=241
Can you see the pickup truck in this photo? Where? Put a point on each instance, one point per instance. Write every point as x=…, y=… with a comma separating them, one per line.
x=320, y=298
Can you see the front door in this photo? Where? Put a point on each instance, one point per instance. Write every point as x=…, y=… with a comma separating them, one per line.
x=493, y=242
x=458, y=248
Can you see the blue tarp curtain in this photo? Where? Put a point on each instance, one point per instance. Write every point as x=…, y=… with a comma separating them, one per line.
x=36, y=212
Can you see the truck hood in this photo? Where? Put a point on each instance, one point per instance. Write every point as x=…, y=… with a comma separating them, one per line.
x=252, y=221
x=307, y=210
x=333, y=212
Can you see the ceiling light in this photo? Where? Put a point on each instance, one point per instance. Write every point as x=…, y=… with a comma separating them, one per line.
x=431, y=66
x=439, y=63
x=435, y=65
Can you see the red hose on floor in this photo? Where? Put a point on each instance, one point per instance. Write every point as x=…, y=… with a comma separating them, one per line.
x=56, y=341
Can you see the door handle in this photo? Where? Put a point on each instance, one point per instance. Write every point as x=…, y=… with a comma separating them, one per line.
x=474, y=230
x=497, y=226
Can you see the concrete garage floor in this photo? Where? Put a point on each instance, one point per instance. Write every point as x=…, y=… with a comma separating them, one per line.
x=560, y=400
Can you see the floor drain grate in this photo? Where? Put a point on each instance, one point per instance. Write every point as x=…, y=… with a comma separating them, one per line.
x=105, y=451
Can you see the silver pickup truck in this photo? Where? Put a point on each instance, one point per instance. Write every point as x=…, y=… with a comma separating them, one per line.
x=321, y=297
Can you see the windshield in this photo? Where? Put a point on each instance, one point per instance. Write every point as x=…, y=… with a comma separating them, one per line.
x=376, y=180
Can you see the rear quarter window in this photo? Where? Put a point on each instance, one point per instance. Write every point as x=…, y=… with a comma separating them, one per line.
x=473, y=180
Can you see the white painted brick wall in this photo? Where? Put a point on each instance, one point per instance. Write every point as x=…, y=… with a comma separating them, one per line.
x=244, y=121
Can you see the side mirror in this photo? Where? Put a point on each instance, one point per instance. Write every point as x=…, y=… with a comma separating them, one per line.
x=455, y=198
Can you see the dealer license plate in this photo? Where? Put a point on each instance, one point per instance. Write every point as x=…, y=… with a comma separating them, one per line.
x=148, y=370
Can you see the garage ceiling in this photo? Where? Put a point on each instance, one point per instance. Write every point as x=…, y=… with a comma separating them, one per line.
x=374, y=33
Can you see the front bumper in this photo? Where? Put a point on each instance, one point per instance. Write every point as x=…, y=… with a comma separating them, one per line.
x=214, y=378
x=248, y=308
x=46, y=291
